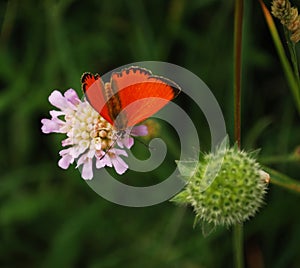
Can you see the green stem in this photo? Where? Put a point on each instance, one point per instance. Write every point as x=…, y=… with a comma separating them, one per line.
x=238, y=25
x=238, y=245
x=293, y=54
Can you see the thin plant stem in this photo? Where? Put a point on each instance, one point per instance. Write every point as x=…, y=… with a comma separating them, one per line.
x=238, y=241
x=238, y=25
x=293, y=54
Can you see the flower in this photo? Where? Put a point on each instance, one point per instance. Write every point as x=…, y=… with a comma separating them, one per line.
x=228, y=195
x=89, y=136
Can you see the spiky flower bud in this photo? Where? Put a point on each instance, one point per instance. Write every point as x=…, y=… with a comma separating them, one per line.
x=234, y=194
x=288, y=17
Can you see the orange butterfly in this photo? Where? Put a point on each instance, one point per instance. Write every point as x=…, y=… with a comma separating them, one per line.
x=133, y=95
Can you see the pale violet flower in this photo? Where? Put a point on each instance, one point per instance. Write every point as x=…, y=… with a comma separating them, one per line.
x=90, y=140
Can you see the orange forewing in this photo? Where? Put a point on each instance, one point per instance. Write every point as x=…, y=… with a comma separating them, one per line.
x=129, y=76
x=93, y=88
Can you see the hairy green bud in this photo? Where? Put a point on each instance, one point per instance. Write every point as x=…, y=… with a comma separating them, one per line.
x=234, y=193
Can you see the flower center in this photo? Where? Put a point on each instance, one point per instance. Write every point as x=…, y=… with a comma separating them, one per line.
x=102, y=134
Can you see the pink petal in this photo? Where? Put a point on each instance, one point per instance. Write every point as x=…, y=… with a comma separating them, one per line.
x=87, y=169
x=72, y=96
x=119, y=165
x=140, y=130
x=57, y=100
x=127, y=141
x=55, y=114
x=120, y=143
x=119, y=152
x=105, y=161
x=66, y=142
x=100, y=163
x=77, y=150
x=83, y=158
x=51, y=125
x=66, y=159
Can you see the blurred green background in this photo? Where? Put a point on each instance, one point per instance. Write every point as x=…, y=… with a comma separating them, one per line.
x=49, y=217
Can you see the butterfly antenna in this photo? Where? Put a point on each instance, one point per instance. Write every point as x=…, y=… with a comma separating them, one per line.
x=107, y=150
x=140, y=141
x=113, y=144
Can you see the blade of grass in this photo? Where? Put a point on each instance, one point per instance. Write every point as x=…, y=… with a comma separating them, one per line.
x=59, y=38
x=293, y=54
x=279, y=159
x=282, y=56
x=283, y=180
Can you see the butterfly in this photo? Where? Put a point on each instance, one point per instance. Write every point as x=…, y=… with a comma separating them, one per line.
x=131, y=96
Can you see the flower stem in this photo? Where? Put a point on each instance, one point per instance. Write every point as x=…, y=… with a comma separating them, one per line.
x=238, y=245
x=238, y=25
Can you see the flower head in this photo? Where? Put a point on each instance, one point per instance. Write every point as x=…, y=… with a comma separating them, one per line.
x=233, y=195
x=89, y=136
x=288, y=17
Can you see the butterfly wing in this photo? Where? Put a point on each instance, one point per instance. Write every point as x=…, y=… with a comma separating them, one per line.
x=141, y=94
x=94, y=89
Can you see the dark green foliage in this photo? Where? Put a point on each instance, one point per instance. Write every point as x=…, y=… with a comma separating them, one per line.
x=50, y=217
